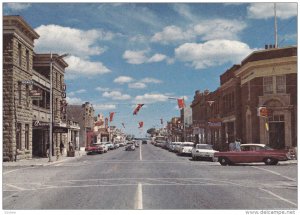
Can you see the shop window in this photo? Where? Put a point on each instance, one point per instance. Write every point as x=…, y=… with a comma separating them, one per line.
x=27, y=96
x=18, y=136
x=27, y=136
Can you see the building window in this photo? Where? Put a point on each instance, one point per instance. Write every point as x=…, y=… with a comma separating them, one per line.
x=268, y=85
x=18, y=136
x=27, y=95
x=27, y=136
x=27, y=60
x=20, y=92
x=57, y=76
x=20, y=54
x=280, y=84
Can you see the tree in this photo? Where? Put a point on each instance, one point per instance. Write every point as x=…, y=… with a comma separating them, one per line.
x=152, y=131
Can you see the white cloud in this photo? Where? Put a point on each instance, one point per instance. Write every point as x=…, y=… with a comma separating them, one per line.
x=123, y=79
x=266, y=10
x=206, y=30
x=150, y=98
x=137, y=85
x=78, y=42
x=17, y=6
x=212, y=53
x=156, y=58
x=101, y=89
x=219, y=29
x=77, y=91
x=80, y=67
x=116, y=95
x=151, y=80
x=74, y=101
x=139, y=57
x=173, y=34
x=104, y=107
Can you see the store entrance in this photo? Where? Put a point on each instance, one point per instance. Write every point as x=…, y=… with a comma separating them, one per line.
x=276, y=135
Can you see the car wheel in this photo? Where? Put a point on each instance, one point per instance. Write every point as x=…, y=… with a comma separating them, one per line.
x=223, y=161
x=270, y=161
x=194, y=157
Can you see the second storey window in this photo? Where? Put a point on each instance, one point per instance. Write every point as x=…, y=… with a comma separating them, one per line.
x=268, y=85
x=280, y=84
x=20, y=54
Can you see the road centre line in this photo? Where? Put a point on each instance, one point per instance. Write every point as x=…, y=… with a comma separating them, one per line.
x=16, y=187
x=139, y=197
x=279, y=197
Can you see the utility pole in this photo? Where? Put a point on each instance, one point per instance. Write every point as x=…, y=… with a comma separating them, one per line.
x=275, y=26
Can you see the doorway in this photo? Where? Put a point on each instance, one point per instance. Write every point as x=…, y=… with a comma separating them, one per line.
x=276, y=135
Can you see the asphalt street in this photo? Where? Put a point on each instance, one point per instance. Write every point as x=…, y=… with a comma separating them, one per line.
x=149, y=178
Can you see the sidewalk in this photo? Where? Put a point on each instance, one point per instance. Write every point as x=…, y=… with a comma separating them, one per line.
x=43, y=161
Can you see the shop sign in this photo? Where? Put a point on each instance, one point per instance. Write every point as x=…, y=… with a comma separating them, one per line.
x=215, y=124
x=37, y=123
x=60, y=130
x=35, y=95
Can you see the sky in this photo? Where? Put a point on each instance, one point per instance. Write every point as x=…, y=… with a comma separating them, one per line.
x=124, y=54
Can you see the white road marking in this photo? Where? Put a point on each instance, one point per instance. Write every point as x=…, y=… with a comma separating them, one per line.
x=139, y=197
x=275, y=173
x=279, y=197
x=13, y=186
x=16, y=170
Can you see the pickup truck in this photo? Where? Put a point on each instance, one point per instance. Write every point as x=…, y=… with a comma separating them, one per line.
x=253, y=152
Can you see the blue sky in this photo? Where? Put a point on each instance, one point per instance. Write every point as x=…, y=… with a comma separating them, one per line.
x=122, y=54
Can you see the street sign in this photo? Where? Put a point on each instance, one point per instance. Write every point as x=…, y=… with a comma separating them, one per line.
x=63, y=95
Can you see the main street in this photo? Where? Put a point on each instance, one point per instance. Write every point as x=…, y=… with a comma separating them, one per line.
x=149, y=178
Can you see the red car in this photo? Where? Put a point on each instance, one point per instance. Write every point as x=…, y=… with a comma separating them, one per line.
x=94, y=148
x=253, y=152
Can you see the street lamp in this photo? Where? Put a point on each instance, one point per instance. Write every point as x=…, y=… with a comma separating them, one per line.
x=51, y=102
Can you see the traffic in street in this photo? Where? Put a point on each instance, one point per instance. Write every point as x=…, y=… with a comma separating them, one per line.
x=149, y=177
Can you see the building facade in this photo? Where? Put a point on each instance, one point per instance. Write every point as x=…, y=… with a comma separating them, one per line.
x=26, y=94
x=266, y=78
x=269, y=79
x=84, y=115
x=18, y=44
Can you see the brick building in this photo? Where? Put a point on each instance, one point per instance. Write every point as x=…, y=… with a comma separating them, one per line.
x=266, y=78
x=269, y=79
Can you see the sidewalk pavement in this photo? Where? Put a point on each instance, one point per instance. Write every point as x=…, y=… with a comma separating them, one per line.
x=40, y=161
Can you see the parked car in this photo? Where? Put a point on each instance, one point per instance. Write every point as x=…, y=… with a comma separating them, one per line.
x=177, y=146
x=186, y=148
x=116, y=145
x=130, y=147
x=95, y=148
x=173, y=145
x=110, y=145
x=203, y=151
x=144, y=142
x=253, y=152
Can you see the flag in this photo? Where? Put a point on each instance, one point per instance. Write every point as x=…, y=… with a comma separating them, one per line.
x=123, y=125
x=161, y=121
x=180, y=103
x=111, y=116
x=141, y=124
x=136, y=110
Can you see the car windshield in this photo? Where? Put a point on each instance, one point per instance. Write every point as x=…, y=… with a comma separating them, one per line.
x=203, y=147
x=268, y=148
x=188, y=144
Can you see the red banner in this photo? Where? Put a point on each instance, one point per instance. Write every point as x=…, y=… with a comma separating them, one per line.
x=141, y=124
x=137, y=109
x=111, y=116
x=180, y=103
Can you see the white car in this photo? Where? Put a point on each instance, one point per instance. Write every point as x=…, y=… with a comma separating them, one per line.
x=186, y=148
x=202, y=151
x=177, y=146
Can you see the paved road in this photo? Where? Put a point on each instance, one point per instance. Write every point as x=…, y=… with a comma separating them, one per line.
x=149, y=178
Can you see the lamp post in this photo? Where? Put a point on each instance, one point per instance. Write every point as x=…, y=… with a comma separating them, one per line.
x=51, y=103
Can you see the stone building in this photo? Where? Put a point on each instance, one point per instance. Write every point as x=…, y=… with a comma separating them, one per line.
x=43, y=64
x=26, y=94
x=18, y=44
x=84, y=115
